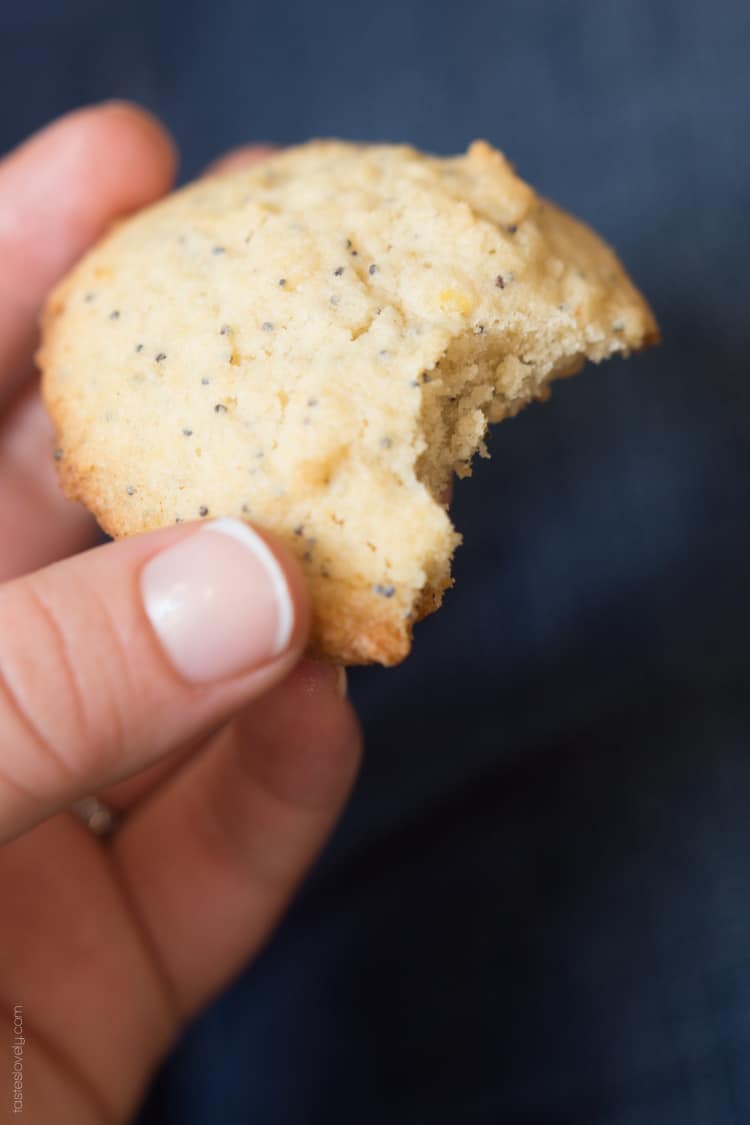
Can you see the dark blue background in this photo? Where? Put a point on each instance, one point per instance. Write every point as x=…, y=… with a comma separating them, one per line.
x=537, y=908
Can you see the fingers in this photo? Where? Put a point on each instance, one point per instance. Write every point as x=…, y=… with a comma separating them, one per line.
x=58, y=192
x=123, y=795
x=73, y=948
x=243, y=157
x=237, y=828
x=45, y=526
x=112, y=660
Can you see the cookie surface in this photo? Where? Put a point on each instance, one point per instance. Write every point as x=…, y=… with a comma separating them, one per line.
x=315, y=345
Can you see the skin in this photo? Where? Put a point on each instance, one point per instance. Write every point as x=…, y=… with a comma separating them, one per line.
x=227, y=790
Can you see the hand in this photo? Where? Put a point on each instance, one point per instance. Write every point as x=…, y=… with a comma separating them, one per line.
x=161, y=673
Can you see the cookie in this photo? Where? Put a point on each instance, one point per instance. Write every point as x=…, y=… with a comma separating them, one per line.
x=315, y=345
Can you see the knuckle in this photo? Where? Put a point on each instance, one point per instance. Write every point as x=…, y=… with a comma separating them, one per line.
x=35, y=714
x=50, y=688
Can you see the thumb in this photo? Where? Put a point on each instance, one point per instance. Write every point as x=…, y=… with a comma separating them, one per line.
x=114, y=658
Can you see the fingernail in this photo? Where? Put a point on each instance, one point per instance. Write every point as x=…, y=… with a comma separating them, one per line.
x=218, y=601
x=318, y=675
x=341, y=681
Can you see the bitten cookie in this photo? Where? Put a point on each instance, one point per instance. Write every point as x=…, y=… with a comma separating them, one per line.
x=315, y=345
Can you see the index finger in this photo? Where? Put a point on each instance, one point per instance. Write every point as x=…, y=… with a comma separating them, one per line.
x=238, y=158
x=58, y=192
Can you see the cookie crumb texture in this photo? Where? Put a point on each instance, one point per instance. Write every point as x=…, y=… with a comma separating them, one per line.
x=316, y=344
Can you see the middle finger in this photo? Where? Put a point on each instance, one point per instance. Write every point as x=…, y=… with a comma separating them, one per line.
x=38, y=525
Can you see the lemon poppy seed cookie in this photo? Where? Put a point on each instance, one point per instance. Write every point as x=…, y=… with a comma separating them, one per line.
x=315, y=345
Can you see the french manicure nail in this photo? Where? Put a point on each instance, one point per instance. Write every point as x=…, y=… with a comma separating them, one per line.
x=218, y=602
